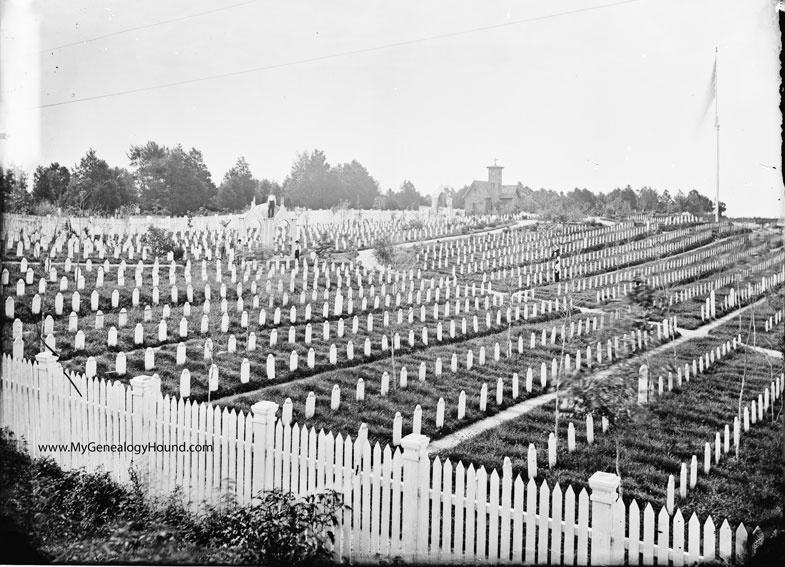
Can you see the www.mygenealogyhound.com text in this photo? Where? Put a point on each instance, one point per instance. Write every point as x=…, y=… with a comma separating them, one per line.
x=135, y=448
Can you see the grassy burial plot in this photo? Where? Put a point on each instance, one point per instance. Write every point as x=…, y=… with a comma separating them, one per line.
x=362, y=234
x=663, y=274
x=378, y=411
x=594, y=270
x=675, y=427
x=695, y=290
x=756, y=325
x=262, y=294
x=96, y=339
x=688, y=300
x=229, y=363
x=516, y=259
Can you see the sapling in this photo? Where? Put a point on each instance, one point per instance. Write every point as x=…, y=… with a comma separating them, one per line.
x=612, y=397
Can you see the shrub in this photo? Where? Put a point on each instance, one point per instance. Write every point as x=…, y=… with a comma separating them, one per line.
x=260, y=253
x=79, y=517
x=324, y=247
x=44, y=208
x=160, y=243
x=282, y=529
x=383, y=250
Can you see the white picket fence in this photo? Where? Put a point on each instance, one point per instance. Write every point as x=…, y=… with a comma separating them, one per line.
x=402, y=503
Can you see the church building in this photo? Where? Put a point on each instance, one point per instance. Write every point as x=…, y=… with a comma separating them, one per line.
x=484, y=197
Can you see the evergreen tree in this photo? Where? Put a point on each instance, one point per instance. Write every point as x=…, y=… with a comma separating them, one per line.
x=14, y=196
x=238, y=187
x=51, y=183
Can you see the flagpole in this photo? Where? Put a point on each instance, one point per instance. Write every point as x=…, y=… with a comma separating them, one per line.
x=717, y=126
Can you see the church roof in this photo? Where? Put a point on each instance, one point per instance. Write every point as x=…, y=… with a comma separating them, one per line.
x=508, y=192
x=487, y=190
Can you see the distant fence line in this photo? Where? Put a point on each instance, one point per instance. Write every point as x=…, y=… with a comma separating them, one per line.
x=13, y=223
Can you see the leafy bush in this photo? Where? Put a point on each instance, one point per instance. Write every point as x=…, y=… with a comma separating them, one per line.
x=160, y=243
x=43, y=208
x=383, y=250
x=282, y=529
x=74, y=516
x=324, y=246
x=261, y=253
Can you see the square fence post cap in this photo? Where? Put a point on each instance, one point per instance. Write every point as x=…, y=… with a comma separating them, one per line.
x=264, y=408
x=46, y=357
x=139, y=383
x=415, y=442
x=604, y=486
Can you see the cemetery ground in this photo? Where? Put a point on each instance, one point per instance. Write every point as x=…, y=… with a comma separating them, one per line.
x=675, y=426
x=515, y=357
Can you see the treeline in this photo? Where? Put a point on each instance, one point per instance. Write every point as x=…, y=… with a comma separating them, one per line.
x=580, y=203
x=160, y=180
x=172, y=181
x=315, y=184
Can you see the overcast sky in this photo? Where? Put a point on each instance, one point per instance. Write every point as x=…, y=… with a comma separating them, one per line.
x=561, y=94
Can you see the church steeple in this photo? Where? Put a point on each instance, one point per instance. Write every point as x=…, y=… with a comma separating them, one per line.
x=495, y=174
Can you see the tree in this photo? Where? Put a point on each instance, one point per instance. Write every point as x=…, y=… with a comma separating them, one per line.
x=172, y=180
x=149, y=167
x=614, y=396
x=265, y=188
x=628, y=196
x=582, y=200
x=311, y=182
x=391, y=201
x=666, y=204
x=51, y=183
x=96, y=186
x=528, y=202
x=648, y=200
x=698, y=204
x=238, y=187
x=14, y=195
x=680, y=200
x=357, y=185
x=408, y=197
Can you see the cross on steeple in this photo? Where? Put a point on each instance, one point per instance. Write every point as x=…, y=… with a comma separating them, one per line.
x=494, y=161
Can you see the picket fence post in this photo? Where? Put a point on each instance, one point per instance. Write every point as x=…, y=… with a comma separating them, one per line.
x=414, y=450
x=604, y=493
x=263, y=439
x=145, y=391
x=48, y=372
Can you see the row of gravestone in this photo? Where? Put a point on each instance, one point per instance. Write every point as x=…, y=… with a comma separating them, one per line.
x=710, y=288
x=721, y=447
x=575, y=270
x=656, y=241
x=665, y=279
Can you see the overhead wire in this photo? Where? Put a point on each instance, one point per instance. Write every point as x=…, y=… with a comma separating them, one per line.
x=336, y=55
x=147, y=26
